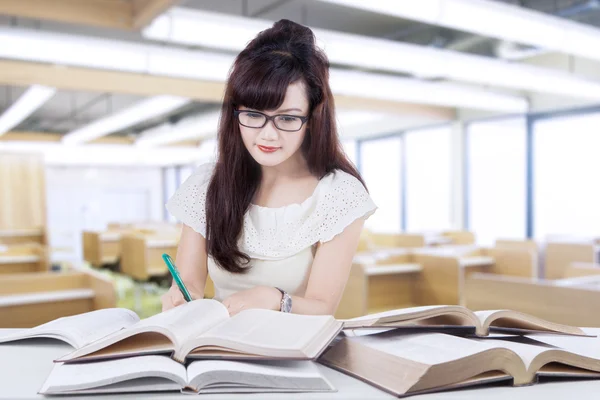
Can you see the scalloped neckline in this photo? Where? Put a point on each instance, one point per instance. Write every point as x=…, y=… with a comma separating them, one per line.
x=304, y=202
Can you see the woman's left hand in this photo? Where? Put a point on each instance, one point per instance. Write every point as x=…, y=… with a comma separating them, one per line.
x=264, y=297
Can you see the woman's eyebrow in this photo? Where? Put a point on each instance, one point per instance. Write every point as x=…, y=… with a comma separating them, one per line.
x=290, y=109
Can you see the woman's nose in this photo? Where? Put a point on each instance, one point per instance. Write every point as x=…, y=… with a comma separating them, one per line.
x=269, y=131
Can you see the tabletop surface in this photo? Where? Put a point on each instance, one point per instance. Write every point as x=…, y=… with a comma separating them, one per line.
x=25, y=365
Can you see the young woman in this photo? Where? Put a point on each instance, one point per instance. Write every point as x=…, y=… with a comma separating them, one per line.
x=276, y=220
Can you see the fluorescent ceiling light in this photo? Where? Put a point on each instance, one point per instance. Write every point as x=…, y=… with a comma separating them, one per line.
x=89, y=52
x=156, y=60
x=494, y=19
x=139, y=112
x=355, y=83
x=198, y=127
x=356, y=124
x=31, y=100
x=105, y=154
x=195, y=27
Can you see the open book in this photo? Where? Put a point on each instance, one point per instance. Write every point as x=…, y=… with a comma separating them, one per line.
x=79, y=330
x=405, y=364
x=203, y=329
x=448, y=317
x=157, y=373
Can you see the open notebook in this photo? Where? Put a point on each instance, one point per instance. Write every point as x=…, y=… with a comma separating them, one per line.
x=203, y=329
x=448, y=317
x=79, y=330
x=157, y=373
x=404, y=364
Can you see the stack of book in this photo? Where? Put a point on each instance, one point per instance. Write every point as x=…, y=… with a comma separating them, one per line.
x=198, y=348
x=195, y=347
x=426, y=349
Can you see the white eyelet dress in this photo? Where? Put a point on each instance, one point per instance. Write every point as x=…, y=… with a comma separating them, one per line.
x=281, y=242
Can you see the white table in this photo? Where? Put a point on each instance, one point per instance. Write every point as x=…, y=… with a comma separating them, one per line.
x=24, y=367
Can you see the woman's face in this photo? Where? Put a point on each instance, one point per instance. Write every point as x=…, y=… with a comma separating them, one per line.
x=269, y=145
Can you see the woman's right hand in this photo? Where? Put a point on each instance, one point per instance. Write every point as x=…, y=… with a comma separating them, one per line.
x=191, y=260
x=174, y=298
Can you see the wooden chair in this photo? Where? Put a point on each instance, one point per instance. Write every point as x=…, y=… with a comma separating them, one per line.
x=445, y=269
x=141, y=255
x=379, y=283
x=396, y=240
x=23, y=258
x=460, y=237
x=27, y=300
x=559, y=255
x=518, y=244
x=573, y=303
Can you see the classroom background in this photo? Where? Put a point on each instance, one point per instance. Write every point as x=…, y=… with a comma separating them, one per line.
x=474, y=125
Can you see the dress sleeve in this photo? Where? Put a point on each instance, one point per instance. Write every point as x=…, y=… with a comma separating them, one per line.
x=187, y=203
x=345, y=201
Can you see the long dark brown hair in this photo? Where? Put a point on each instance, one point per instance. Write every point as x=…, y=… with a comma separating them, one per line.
x=259, y=78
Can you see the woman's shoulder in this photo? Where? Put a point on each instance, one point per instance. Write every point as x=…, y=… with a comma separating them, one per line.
x=201, y=174
x=338, y=177
x=339, y=184
x=343, y=200
x=187, y=203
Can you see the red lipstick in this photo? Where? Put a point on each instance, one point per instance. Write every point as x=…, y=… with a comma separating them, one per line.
x=267, y=149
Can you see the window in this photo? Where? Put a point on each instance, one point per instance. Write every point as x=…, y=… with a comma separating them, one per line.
x=381, y=170
x=496, y=179
x=350, y=149
x=566, y=197
x=428, y=179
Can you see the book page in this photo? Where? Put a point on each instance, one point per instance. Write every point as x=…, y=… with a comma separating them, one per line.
x=188, y=320
x=79, y=330
x=519, y=322
x=167, y=331
x=424, y=348
x=266, y=329
x=407, y=313
x=588, y=346
x=72, y=377
x=441, y=315
x=284, y=374
x=273, y=368
x=525, y=349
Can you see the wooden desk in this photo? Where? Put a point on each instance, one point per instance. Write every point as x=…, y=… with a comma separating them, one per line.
x=582, y=269
x=16, y=259
x=379, y=283
x=32, y=299
x=100, y=248
x=476, y=261
x=22, y=236
x=37, y=359
x=572, y=303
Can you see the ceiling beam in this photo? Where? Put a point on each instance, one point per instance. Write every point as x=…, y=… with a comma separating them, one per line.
x=23, y=136
x=21, y=73
x=20, y=136
x=114, y=14
x=94, y=80
x=144, y=11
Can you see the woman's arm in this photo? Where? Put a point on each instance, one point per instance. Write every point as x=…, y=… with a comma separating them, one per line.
x=326, y=283
x=329, y=273
x=191, y=261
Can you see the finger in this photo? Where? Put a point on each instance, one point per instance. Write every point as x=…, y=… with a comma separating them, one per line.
x=166, y=304
x=178, y=300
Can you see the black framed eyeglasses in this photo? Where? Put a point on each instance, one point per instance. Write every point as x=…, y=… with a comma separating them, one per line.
x=257, y=120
